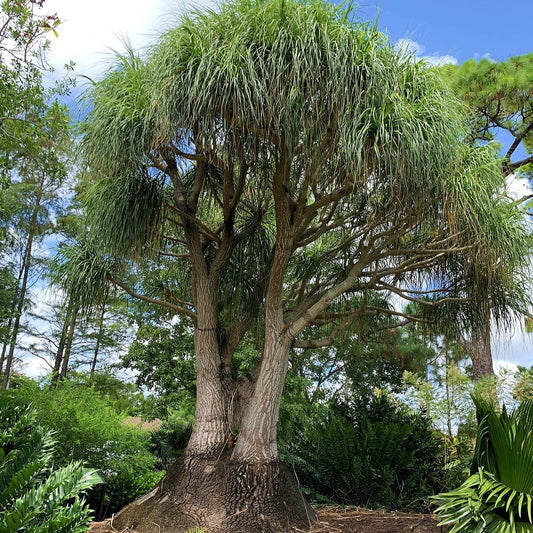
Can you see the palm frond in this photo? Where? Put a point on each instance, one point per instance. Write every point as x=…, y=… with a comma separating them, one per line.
x=498, y=496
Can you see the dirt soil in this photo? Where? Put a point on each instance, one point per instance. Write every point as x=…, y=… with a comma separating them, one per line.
x=353, y=520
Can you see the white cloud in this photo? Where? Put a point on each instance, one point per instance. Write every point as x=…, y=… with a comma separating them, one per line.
x=35, y=368
x=436, y=59
x=415, y=48
x=517, y=187
x=514, y=348
x=407, y=45
x=90, y=30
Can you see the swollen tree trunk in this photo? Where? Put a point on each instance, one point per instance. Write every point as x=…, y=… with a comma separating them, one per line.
x=242, y=489
x=216, y=485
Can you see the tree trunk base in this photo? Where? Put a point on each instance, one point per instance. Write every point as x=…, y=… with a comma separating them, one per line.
x=221, y=496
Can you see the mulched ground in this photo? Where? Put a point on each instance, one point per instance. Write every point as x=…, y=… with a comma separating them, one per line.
x=353, y=520
x=337, y=520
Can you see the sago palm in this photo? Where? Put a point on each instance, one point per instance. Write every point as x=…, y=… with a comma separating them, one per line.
x=498, y=496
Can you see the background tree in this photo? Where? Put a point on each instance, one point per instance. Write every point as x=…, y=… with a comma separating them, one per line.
x=523, y=388
x=162, y=357
x=499, y=100
x=41, y=177
x=361, y=358
x=499, y=96
x=279, y=160
x=35, y=134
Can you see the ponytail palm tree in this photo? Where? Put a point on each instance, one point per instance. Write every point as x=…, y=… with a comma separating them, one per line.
x=267, y=162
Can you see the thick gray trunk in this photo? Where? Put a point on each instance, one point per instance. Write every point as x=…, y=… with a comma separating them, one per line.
x=257, y=436
x=220, y=495
x=211, y=422
x=242, y=488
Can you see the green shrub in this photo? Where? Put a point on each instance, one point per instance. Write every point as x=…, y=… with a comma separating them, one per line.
x=35, y=497
x=170, y=440
x=126, y=487
x=88, y=429
x=498, y=496
x=374, y=455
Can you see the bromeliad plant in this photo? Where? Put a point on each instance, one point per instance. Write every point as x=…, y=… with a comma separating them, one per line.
x=35, y=497
x=498, y=496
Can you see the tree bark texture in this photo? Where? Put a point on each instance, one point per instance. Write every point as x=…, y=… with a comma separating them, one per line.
x=258, y=432
x=211, y=422
x=220, y=495
x=478, y=347
x=222, y=487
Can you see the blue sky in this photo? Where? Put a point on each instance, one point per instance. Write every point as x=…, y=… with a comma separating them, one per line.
x=460, y=29
x=463, y=29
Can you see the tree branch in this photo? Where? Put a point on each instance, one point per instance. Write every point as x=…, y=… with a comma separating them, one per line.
x=313, y=343
x=518, y=164
x=201, y=226
x=179, y=308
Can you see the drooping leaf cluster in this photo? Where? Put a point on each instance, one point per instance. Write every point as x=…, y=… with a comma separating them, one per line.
x=373, y=170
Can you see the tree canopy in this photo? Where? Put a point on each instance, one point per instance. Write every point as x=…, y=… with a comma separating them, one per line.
x=500, y=98
x=356, y=159
x=499, y=110
x=274, y=164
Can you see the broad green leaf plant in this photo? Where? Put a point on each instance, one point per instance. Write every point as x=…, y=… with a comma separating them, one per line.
x=498, y=496
x=35, y=497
